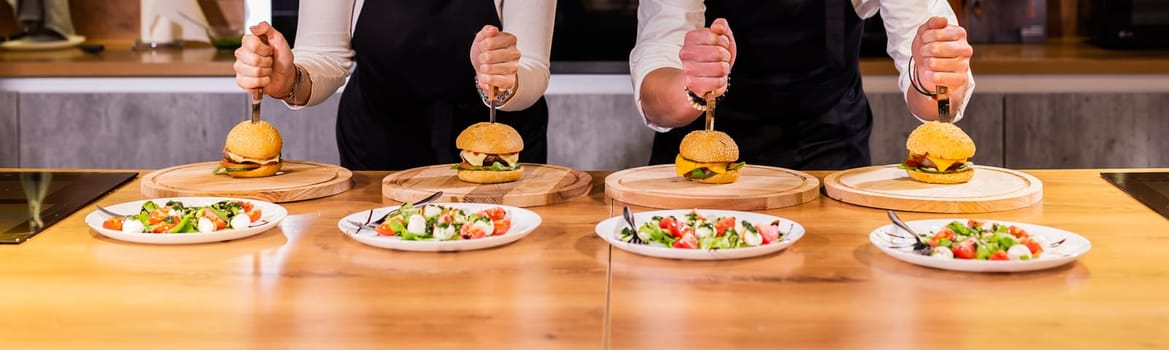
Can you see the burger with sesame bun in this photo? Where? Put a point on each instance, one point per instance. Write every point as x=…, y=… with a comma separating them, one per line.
x=939, y=153
x=490, y=153
x=708, y=156
x=252, y=149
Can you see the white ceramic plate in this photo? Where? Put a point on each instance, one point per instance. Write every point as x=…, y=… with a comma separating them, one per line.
x=271, y=212
x=610, y=231
x=23, y=45
x=523, y=222
x=1072, y=248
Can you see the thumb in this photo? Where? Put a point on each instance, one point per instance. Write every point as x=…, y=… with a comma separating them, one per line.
x=488, y=31
x=720, y=26
x=936, y=23
x=261, y=28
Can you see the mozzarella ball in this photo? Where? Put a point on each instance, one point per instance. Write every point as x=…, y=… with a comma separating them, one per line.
x=240, y=221
x=133, y=226
x=205, y=225
x=416, y=224
x=1019, y=252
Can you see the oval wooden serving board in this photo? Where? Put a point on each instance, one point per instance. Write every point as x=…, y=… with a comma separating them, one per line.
x=758, y=188
x=297, y=180
x=541, y=184
x=886, y=187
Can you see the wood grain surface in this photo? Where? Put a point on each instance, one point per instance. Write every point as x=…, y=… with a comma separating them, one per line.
x=296, y=181
x=887, y=187
x=834, y=290
x=305, y=285
x=541, y=184
x=758, y=187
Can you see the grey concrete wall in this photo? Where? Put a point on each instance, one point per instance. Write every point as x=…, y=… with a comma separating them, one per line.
x=596, y=132
x=9, y=130
x=124, y=130
x=591, y=132
x=1087, y=130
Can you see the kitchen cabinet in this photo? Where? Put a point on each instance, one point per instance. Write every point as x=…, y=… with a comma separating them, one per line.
x=1087, y=130
x=9, y=134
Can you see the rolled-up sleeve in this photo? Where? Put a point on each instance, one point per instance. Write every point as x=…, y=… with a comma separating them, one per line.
x=531, y=22
x=661, y=30
x=902, y=17
x=324, y=29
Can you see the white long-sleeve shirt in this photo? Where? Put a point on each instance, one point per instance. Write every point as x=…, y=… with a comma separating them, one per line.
x=325, y=27
x=662, y=27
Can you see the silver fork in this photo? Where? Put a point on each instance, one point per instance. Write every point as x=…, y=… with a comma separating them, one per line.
x=372, y=225
x=636, y=239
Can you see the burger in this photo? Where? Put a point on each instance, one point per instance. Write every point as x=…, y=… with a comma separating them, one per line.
x=939, y=153
x=252, y=150
x=490, y=153
x=708, y=157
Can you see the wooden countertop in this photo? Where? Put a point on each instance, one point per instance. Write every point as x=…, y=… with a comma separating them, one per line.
x=118, y=60
x=304, y=284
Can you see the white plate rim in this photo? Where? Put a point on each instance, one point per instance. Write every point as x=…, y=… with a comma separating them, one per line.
x=607, y=228
x=394, y=243
x=272, y=212
x=1075, y=246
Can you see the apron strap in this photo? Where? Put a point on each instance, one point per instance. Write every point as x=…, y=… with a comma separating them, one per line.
x=834, y=35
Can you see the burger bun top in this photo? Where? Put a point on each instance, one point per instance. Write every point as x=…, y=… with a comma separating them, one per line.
x=708, y=146
x=942, y=140
x=492, y=138
x=258, y=140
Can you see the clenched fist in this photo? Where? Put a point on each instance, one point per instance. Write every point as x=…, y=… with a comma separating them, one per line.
x=268, y=66
x=707, y=57
x=495, y=58
x=941, y=54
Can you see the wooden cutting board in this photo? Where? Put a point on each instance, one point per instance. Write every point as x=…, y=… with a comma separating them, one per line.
x=886, y=187
x=297, y=180
x=758, y=188
x=541, y=184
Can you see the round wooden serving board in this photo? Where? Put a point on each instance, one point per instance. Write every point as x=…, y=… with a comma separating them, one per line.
x=886, y=187
x=541, y=184
x=297, y=180
x=758, y=188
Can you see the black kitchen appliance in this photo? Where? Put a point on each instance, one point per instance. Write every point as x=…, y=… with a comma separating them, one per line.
x=32, y=201
x=1128, y=24
x=1150, y=188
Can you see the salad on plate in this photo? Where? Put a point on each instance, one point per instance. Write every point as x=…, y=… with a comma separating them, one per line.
x=176, y=217
x=976, y=240
x=696, y=231
x=434, y=222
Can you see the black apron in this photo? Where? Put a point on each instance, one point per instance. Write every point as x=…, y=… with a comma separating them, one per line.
x=795, y=98
x=413, y=89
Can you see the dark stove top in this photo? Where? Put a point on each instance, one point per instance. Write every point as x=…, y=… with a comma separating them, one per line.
x=1150, y=188
x=31, y=202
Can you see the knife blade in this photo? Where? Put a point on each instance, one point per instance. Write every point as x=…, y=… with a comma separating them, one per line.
x=944, y=104
x=258, y=93
x=710, y=111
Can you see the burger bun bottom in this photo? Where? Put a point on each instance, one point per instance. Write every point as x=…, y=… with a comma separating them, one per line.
x=724, y=178
x=490, y=176
x=262, y=171
x=951, y=178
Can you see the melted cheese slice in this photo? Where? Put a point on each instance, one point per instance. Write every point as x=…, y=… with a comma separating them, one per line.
x=473, y=158
x=943, y=164
x=477, y=158
x=683, y=166
x=512, y=159
x=241, y=159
